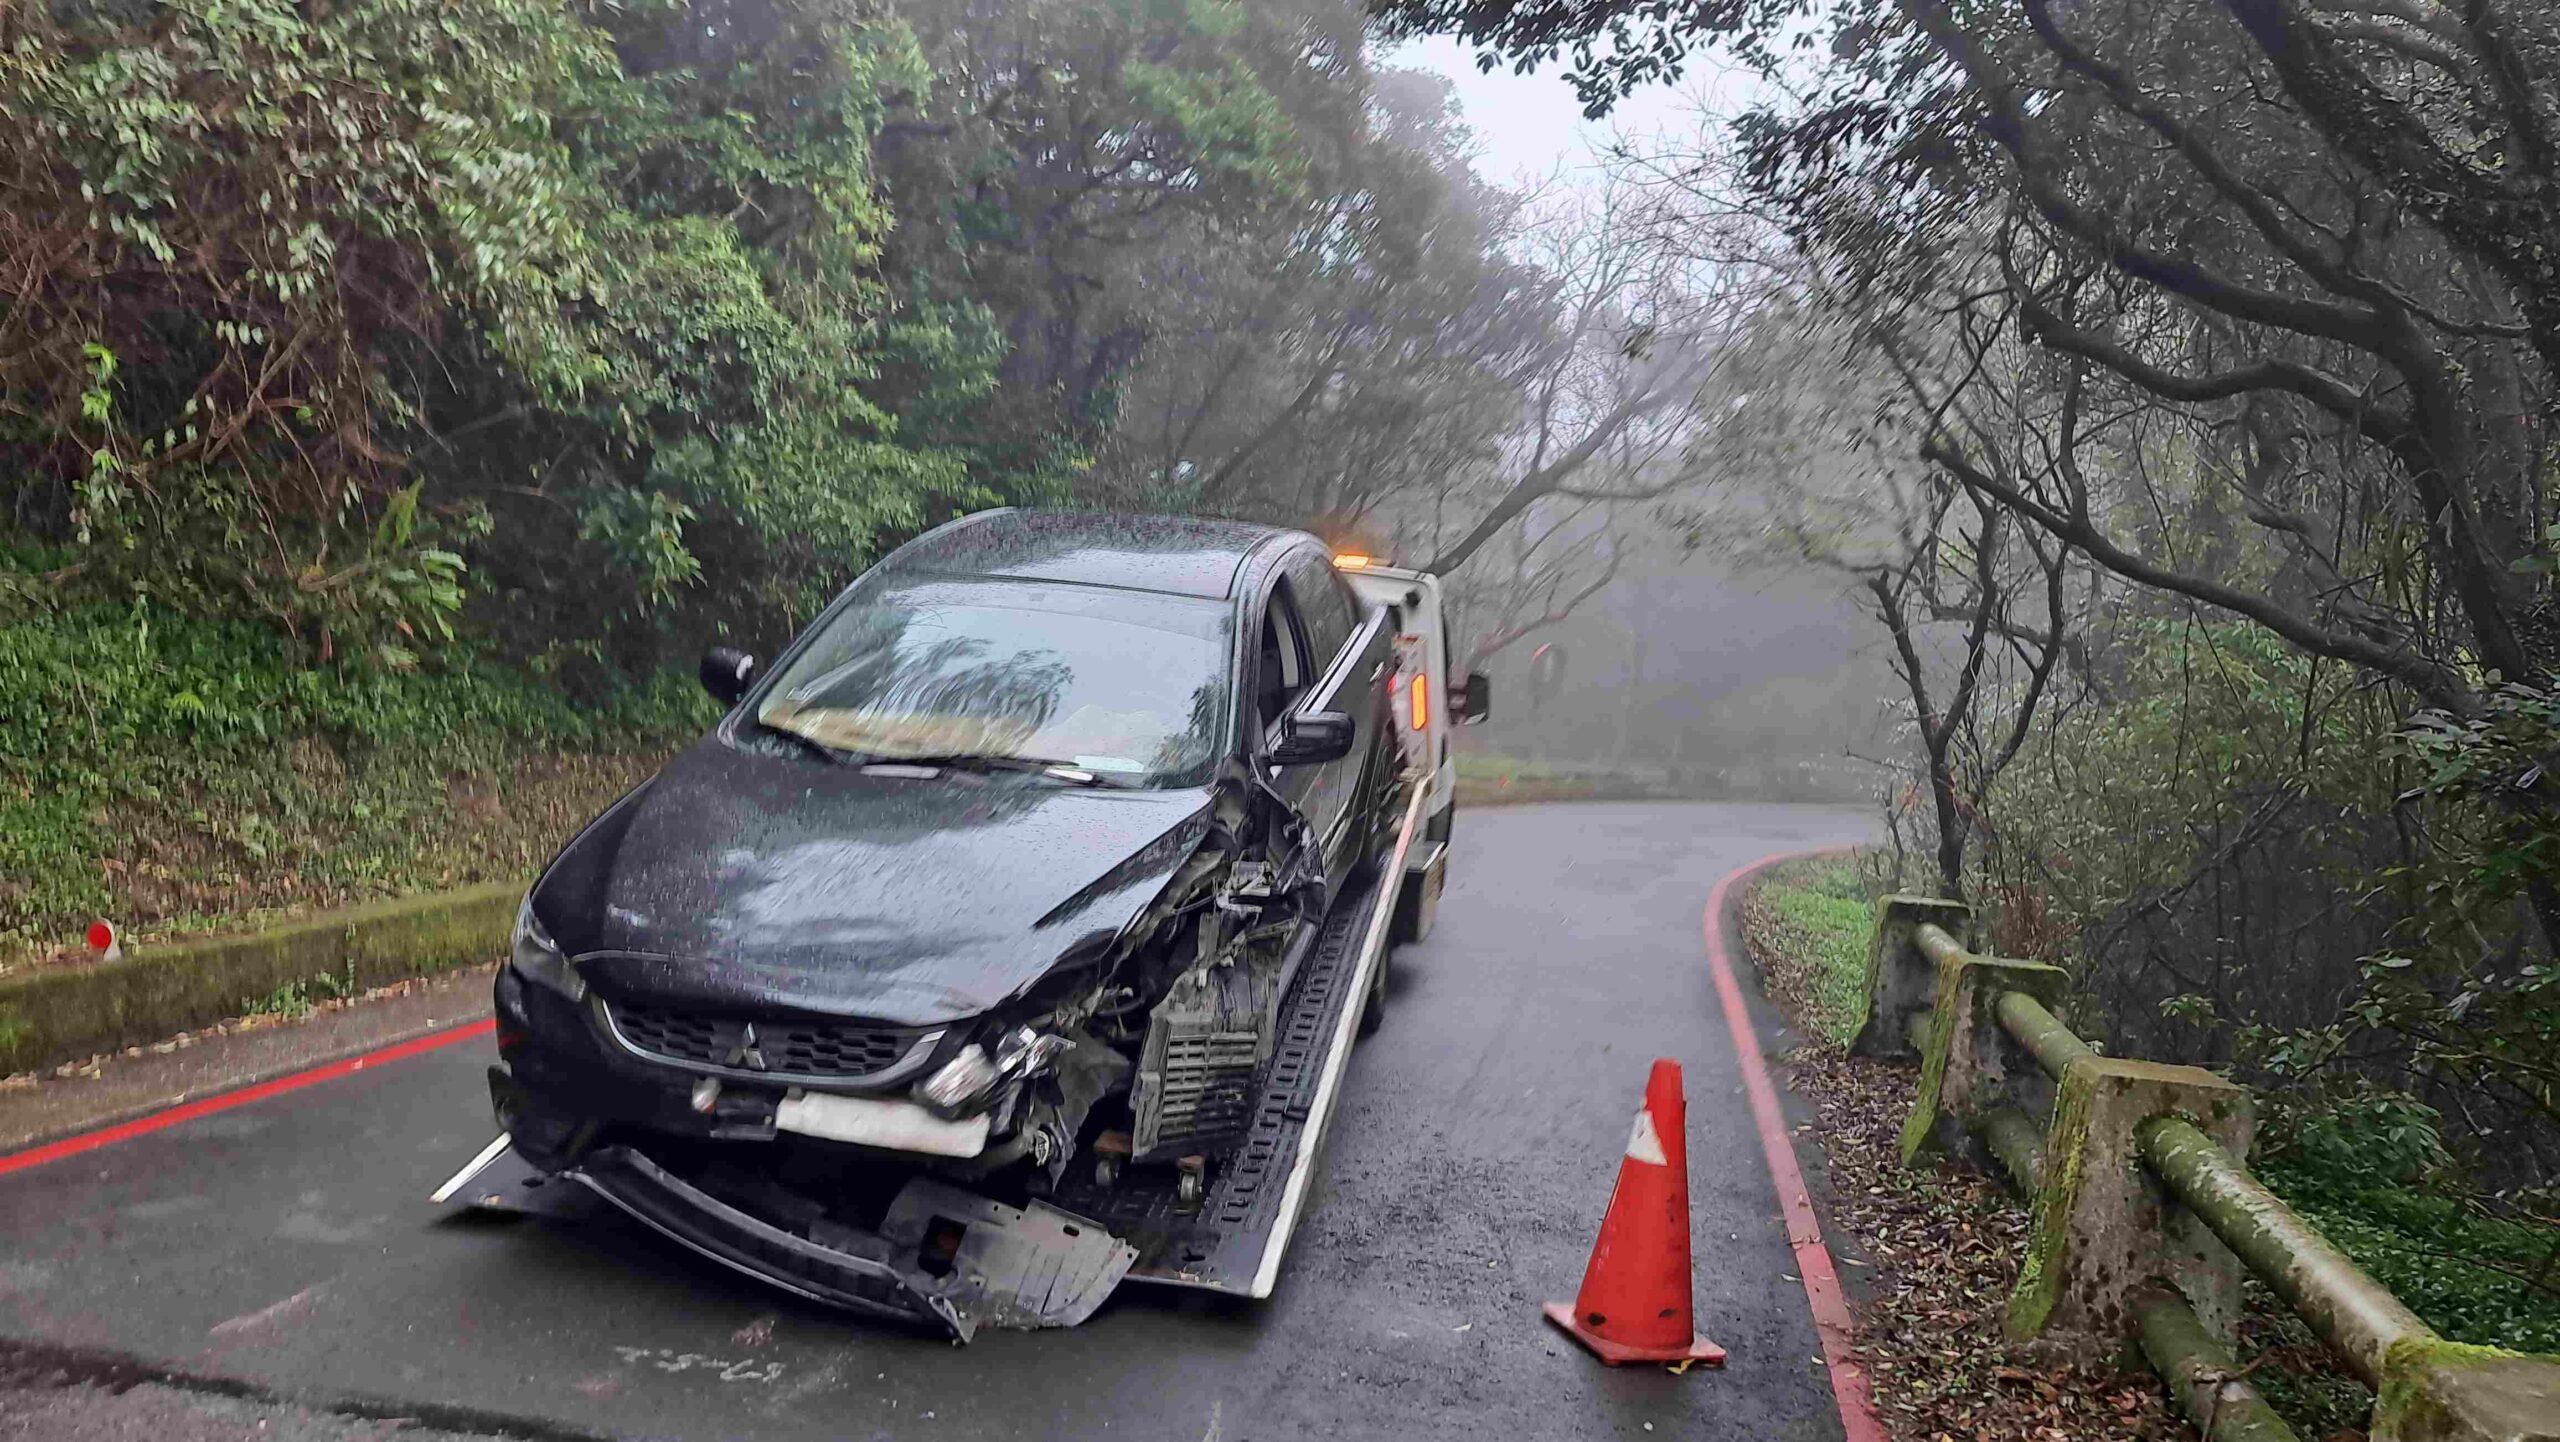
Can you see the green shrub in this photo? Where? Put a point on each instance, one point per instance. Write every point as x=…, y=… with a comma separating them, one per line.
x=2356, y=1140
x=2475, y=1277
x=135, y=738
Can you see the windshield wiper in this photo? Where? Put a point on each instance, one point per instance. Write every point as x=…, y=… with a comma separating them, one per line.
x=813, y=745
x=1066, y=771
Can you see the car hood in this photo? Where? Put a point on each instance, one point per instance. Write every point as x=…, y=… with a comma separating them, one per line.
x=739, y=880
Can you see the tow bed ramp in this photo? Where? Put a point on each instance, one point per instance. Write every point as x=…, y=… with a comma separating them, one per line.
x=1232, y=1240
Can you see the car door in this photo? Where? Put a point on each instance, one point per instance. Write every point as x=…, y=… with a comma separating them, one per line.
x=1284, y=674
x=1351, y=644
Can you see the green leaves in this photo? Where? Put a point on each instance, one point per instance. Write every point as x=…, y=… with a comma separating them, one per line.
x=418, y=291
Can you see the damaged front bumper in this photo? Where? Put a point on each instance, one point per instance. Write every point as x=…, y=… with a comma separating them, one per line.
x=588, y=1119
x=942, y=1257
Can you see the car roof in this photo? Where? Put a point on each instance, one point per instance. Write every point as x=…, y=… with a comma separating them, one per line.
x=1183, y=555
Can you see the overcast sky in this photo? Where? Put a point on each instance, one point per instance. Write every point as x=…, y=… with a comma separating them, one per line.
x=1530, y=126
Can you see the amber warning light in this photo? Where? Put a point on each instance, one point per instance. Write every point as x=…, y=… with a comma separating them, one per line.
x=1421, y=701
x=1351, y=562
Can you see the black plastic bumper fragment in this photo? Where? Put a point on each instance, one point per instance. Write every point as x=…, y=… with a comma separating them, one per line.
x=688, y=1215
x=944, y=1258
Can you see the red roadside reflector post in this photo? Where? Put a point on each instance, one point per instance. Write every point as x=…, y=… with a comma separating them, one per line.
x=103, y=940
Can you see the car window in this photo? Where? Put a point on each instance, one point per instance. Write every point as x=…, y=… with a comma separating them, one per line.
x=1330, y=611
x=1130, y=683
x=1281, y=670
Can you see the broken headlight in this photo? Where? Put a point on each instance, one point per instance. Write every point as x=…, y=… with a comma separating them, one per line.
x=970, y=1076
x=959, y=1081
x=538, y=959
x=1024, y=1052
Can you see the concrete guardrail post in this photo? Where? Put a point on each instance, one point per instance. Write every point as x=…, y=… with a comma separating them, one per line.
x=1901, y=982
x=1973, y=1066
x=2103, y=1227
x=2438, y=1391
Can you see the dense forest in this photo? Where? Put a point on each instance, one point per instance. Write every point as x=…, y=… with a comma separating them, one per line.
x=383, y=376
x=582, y=335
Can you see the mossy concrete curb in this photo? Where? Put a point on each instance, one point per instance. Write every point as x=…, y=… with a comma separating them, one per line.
x=58, y=1015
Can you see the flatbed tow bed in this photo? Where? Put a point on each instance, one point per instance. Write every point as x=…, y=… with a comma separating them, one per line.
x=1053, y=1262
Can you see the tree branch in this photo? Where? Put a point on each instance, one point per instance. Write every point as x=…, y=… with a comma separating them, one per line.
x=2421, y=675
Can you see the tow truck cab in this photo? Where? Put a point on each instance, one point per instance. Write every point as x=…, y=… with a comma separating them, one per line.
x=1428, y=701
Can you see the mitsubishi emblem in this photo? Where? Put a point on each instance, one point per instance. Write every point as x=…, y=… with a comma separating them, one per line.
x=743, y=1051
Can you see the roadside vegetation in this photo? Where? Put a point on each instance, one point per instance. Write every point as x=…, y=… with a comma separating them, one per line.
x=175, y=773
x=396, y=398
x=2178, y=388
x=1946, y=1241
x=1929, y=1253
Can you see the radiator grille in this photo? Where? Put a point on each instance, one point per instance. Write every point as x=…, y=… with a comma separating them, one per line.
x=786, y=1046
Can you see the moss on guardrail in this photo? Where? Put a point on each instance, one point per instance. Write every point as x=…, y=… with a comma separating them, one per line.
x=2142, y=1177
x=66, y=1013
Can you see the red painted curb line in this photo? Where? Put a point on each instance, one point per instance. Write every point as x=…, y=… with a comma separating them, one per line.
x=241, y=1096
x=1831, y=1319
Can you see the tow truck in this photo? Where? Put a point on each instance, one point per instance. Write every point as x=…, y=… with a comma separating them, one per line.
x=1426, y=704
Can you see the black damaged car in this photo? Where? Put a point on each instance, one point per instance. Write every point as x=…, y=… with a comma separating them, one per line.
x=982, y=899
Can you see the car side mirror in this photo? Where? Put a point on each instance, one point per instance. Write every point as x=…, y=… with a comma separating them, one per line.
x=1474, y=700
x=727, y=672
x=1311, y=738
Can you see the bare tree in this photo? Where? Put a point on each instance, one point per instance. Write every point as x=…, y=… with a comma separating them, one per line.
x=1610, y=410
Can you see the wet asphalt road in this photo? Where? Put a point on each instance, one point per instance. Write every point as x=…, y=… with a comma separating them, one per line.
x=282, y=1256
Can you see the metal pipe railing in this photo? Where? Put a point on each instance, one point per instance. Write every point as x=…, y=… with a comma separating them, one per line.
x=2042, y=1033
x=2351, y=1311
x=2205, y=1383
x=1937, y=944
x=2016, y=1142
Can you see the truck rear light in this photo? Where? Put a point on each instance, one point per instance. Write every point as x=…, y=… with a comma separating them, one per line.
x=1421, y=701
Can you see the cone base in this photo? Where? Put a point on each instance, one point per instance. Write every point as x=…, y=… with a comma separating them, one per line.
x=1621, y=1354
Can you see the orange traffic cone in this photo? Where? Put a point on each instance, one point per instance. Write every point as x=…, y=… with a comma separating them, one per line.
x=1634, y=1303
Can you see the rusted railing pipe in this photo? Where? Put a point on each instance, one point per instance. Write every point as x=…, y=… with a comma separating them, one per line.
x=2204, y=1382
x=2016, y=1143
x=2350, y=1310
x=2041, y=1033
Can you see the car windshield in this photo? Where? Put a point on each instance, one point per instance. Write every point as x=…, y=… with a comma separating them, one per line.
x=1126, y=684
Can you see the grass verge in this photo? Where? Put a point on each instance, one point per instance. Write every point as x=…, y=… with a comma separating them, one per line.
x=1812, y=920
